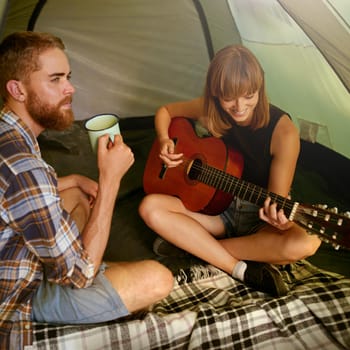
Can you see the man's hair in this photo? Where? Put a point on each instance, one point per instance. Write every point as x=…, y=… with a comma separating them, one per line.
x=19, y=55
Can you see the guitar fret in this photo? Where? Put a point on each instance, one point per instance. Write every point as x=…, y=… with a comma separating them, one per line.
x=227, y=184
x=251, y=195
x=259, y=194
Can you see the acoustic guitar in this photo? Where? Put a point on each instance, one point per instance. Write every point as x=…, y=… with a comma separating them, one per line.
x=209, y=178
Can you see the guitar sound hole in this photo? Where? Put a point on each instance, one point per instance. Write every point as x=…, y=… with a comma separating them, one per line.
x=195, y=169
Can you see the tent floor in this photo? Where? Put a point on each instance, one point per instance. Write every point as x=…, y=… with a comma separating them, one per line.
x=130, y=239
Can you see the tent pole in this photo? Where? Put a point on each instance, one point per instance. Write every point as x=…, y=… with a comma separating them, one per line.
x=205, y=28
x=36, y=12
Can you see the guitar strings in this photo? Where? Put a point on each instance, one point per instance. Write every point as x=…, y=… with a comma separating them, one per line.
x=231, y=184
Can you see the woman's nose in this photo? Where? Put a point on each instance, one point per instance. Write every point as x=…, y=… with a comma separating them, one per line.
x=238, y=104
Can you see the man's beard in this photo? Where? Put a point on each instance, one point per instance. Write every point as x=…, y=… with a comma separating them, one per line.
x=49, y=116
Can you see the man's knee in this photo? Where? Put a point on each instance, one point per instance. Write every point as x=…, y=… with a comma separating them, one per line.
x=155, y=278
x=161, y=278
x=140, y=283
x=77, y=204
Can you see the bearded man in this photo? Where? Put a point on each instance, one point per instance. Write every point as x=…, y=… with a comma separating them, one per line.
x=54, y=231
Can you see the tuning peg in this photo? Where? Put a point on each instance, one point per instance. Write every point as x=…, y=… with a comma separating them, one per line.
x=334, y=210
x=347, y=214
x=336, y=246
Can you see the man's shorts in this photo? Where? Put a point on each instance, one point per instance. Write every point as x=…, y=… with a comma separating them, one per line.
x=241, y=218
x=100, y=302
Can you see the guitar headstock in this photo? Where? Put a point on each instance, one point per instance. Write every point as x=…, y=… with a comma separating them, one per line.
x=331, y=227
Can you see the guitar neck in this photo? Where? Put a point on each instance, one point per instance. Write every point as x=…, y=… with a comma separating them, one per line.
x=242, y=189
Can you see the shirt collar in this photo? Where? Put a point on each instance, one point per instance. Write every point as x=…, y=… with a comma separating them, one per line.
x=17, y=123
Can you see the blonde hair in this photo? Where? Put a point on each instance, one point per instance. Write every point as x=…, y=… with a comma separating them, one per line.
x=234, y=72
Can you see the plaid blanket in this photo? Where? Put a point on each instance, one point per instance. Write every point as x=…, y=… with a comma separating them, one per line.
x=209, y=310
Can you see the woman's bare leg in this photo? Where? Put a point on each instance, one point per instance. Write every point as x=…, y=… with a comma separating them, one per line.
x=198, y=233
x=192, y=232
x=273, y=246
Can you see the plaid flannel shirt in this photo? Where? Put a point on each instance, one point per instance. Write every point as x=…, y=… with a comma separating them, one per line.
x=38, y=239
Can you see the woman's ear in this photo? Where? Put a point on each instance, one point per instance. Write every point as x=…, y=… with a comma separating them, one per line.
x=16, y=90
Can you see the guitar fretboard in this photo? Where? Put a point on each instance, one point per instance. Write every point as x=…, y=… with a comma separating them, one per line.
x=242, y=189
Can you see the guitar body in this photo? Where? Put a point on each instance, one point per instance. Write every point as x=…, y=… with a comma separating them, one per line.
x=177, y=181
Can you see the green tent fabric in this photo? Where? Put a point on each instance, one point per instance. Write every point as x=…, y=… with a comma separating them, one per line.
x=130, y=57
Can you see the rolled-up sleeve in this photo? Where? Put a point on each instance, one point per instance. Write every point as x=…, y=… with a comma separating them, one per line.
x=48, y=230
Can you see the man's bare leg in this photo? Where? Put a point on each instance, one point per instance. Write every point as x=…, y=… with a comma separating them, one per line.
x=138, y=283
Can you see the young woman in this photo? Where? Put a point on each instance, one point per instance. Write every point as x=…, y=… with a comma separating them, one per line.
x=244, y=240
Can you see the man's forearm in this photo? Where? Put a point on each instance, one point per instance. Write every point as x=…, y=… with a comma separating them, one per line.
x=96, y=232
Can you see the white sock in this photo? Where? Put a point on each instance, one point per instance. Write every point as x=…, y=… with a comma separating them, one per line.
x=239, y=270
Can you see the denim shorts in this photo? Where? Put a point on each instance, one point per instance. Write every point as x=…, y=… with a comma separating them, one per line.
x=100, y=302
x=241, y=218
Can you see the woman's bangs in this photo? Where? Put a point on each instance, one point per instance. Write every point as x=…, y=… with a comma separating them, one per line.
x=236, y=84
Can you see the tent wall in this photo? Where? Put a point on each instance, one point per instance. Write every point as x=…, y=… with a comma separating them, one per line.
x=315, y=22
x=17, y=14
x=131, y=56
x=299, y=79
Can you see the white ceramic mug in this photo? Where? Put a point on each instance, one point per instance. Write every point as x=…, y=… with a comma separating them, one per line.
x=99, y=125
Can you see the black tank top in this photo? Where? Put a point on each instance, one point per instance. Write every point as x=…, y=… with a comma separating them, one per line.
x=255, y=148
